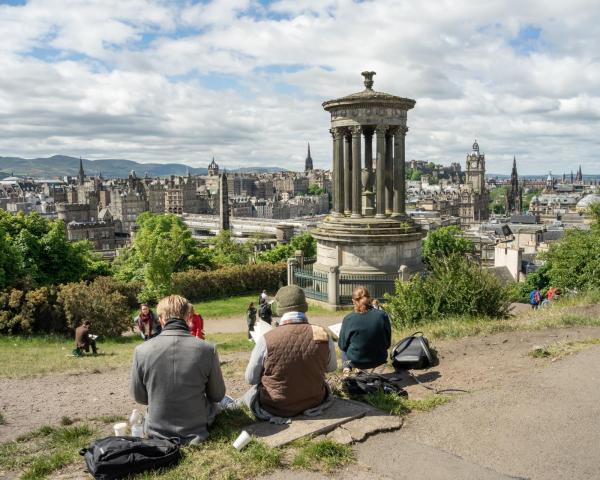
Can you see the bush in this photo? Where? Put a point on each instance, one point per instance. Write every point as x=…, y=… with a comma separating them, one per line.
x=100, y=302
x=31, y=311
x=282, y=252
x=454, y=286
x=198, y=285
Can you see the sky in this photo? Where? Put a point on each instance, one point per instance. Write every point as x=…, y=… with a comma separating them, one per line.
x=244, y=80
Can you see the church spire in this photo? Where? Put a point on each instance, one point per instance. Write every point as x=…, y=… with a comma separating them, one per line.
x=81, y=174
x=308, y=163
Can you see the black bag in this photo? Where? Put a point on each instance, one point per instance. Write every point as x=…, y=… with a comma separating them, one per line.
x=116, y=457
x=364, y=383
x=413, y=353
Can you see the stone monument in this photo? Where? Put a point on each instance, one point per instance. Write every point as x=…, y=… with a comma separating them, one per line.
x=368, y=232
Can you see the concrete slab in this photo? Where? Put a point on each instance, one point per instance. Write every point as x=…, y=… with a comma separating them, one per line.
x=342, y=411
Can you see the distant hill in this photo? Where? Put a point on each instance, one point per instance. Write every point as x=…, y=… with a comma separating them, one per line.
x=60, y=165
x=4, y=175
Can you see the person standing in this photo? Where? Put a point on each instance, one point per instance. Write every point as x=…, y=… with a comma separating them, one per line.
x=196, y=323
x=535, y=298
x=366, y=334
x=178, y=376
x=265, y=312
x=147, y=322
x=83, y=341
x=251, y=318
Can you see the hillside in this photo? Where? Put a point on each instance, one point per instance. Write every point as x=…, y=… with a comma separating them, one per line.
x=60, y=165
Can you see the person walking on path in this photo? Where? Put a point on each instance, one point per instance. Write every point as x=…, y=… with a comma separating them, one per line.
x=366, y=334
x=251, y=318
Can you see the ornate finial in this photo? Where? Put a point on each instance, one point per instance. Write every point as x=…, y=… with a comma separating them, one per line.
x=368, y=79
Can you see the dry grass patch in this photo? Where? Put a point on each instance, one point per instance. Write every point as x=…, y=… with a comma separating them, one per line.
x=560, y=350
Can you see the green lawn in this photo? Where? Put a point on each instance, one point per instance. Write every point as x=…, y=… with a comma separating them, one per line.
x=22, y=356
x=237, y=306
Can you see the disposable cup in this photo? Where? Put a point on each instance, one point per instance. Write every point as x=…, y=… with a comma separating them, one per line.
x=120, y=429
x=242, y=440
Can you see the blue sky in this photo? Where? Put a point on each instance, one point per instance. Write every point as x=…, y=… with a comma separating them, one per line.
x=244, y=80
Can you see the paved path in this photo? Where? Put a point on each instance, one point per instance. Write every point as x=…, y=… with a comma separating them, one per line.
x=541, y=425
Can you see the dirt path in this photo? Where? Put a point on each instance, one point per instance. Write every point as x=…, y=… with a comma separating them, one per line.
x=473, y=363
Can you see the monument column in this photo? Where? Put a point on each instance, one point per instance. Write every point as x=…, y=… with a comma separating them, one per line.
x=400, y=171
x=338, y=172
x=368, y=193
x=356, y=176
x=347, y=174
x=380, y=182
x=389, y=172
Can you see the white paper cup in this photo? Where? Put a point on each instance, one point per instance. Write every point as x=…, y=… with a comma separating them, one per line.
x=120, y=429
x=242, y=440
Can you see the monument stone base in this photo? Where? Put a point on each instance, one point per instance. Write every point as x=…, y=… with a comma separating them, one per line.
x=368, y=246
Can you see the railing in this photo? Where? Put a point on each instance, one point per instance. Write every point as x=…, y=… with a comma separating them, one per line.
x=313, y=283
x=377, y=286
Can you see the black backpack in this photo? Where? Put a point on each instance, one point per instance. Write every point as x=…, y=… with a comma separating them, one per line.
x=413, y=353
x=365, y=383
x=116, y=457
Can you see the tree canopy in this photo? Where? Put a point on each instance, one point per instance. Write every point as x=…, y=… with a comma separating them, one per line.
x=35, y=251
x=162, y=245
x=443, y=242
x=282, y=252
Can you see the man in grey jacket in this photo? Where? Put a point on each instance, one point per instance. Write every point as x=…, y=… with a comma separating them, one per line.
x=178, y=376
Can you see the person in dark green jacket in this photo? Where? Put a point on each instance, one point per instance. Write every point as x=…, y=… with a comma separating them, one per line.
x=366, y=333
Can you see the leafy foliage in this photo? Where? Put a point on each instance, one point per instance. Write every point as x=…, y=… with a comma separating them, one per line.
x=162, y=245
x=282, y=252
x=31, y=311
x=35, y=251
x=443, y=242
x=197, y=285
x=315, y=190
x=453, y=286
x=574, y=262
x=226, y=252
x=100, y=301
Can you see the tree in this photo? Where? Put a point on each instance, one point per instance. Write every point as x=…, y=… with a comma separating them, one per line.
x=314, y=189
x=574, y=261
x=163, y=244
x=11, y=263
x=415, y=175
x=283, y=251
x=227, y=252
x=443, y=242
x=41, y=252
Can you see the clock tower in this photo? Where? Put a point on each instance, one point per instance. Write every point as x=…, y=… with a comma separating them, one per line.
x=476, y=169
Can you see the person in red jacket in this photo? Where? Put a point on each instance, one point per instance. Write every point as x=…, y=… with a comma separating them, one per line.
x=196, y=324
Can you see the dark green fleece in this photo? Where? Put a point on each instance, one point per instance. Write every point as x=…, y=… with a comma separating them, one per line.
x=366, y=337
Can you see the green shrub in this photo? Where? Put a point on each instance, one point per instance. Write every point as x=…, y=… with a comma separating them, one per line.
x=304, y=242
x=100, y=302
x=198, y=285
x=31, y=311
x=454, y=286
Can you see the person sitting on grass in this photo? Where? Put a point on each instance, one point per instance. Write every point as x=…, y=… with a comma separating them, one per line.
x=366, y=334
x=178, y=376
x=147, y=322
x=250, y=319
x=288, y=364
x=83, y=340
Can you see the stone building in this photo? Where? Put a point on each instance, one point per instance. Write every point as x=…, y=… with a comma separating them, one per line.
x=308, y=162
x=474, y=195
x=515, y=191
x=101, y=234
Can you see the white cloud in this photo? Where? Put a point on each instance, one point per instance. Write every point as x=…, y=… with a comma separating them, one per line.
x=181, y=81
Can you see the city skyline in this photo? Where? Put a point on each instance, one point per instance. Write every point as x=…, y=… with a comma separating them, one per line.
x=244, y=80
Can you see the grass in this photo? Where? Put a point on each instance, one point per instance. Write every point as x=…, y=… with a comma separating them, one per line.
x=237, y=306
x=396, y=404
x=20, y=355
x=46, y=450
x=559, y=350
x=325, y=455
x=554, y=316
